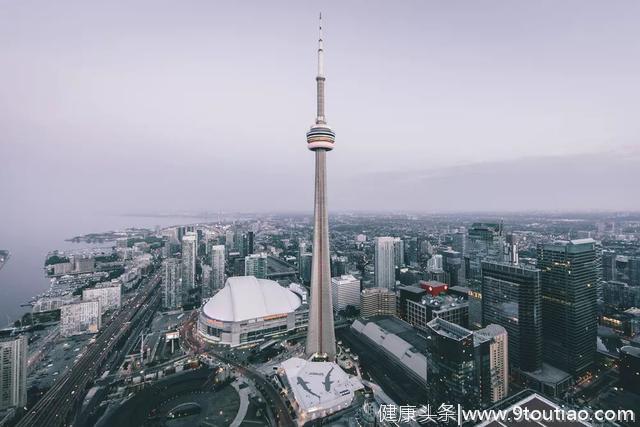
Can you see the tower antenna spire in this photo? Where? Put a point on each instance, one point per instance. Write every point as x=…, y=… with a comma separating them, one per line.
x=320, y=48
x=321, y=339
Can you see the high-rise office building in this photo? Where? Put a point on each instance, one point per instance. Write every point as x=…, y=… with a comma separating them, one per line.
x=411, y=251
x=13, y=372
x=385, y=272
x=305, y=268
x=377, y=302
x=459, y=242
x=171, y=284
x=608, y=265
x=451, y=368
x=345, y=292
x=453, y=267
x=634, y=271
x=217, y=269
x=569, y=317
x=256, y=265
x=189, y=256
x=249, y=244
x=303, y=249
x=470, y=368
x=511, y=298
x=398, y=252
x=229, y=242
x=339, y=265
x=485, y=242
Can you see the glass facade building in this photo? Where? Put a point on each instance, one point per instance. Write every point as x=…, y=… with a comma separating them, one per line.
x=511, y=298
x=568, y=276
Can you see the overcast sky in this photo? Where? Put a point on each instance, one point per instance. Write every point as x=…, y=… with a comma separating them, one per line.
x=171, y=106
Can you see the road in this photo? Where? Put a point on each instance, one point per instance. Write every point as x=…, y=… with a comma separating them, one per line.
x=188, y=336
x=58, y=403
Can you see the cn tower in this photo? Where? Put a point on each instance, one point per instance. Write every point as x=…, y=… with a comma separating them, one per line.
x=321, y=340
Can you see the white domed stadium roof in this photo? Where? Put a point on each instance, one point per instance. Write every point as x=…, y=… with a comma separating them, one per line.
x=246, y=297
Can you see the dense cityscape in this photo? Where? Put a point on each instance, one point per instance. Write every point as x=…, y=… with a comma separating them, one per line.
x=336, y=318
x=427, y=310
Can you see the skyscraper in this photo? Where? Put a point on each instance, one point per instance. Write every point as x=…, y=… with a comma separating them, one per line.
x=569, y=317
x=467, y=367
x=171, y=284
x=411, y=250
x=398, y=252
x=305, y=268
x=256, y=265
x=385, y=271
x=451, y=375
x=492, y=363
x=453, y=267
x=511, y=298
x=217, y=268
x=320, y=139
x=249, y=242
x=13, y=372
x=229, y=242
x=339, y=265
x=304, y=265
x=346, y=292
x=485, y=243
x=189, y=255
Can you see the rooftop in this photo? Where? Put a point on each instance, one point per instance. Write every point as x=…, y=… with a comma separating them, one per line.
x=412, y=289
x=396, y=326
x=534, y=402
x=549, y=374
x=443, y=302
x=630, y=350
x=319, y=388
x=448, y=329
x=245, y=298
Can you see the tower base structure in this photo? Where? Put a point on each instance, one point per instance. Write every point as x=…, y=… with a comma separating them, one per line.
x=318, y=390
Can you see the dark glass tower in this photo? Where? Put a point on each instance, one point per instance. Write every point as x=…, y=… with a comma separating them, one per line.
x=452, y=373
x=569, y=316
x=511, y=298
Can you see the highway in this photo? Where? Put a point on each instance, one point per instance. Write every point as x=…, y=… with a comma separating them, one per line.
x=59, y=402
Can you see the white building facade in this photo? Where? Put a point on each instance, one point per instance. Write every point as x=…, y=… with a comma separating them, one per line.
x=109, y=294
x=345, y=291
x=81, y=317
x=385, y=272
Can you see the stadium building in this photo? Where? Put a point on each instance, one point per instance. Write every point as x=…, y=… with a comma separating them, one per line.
x=249, y=310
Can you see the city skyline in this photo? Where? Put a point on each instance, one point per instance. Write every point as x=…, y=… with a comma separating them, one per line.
x=481, y=254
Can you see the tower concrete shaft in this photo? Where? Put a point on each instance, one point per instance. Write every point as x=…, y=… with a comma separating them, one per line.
x=321, y=341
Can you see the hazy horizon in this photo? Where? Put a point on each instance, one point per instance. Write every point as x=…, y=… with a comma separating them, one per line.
x=125, y=108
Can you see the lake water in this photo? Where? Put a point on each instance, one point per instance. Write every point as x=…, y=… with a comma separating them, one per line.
x=22, y=277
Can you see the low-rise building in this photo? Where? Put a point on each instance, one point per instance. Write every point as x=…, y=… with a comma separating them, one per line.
x=317, y=390
x=400, y=342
